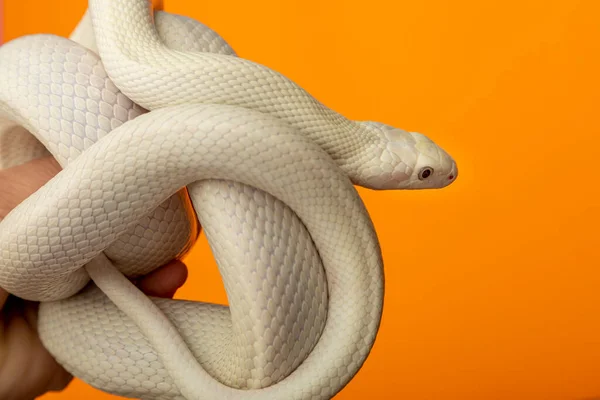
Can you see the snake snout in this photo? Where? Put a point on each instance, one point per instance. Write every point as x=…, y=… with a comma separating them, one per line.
x=453, y=173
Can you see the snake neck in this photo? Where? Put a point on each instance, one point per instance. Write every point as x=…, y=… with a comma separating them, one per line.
x=353, y=146
x=357, y=149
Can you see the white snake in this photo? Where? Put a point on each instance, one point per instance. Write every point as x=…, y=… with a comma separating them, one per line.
x=270, y=174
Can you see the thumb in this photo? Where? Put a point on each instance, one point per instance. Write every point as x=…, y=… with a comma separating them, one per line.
x=3, y=297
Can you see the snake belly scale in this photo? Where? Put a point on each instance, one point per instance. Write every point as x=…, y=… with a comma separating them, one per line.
x=156, y=122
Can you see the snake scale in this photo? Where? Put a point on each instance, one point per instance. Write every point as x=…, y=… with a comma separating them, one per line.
x=161, y=128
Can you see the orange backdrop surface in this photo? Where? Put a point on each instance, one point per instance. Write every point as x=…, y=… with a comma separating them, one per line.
x=492, y=285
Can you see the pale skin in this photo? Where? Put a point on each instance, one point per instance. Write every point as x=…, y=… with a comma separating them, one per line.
x=27, y=369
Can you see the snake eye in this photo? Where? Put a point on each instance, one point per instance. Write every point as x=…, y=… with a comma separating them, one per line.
x=425, y=173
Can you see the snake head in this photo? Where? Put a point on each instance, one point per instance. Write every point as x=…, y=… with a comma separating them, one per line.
x=407, y=160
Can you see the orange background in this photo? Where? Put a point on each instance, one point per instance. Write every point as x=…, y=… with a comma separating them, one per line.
x=492, y=283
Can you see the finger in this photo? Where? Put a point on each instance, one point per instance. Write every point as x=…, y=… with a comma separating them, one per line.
x=20, y=181
x=18, y=350
x=60, y=380
x=164, y=281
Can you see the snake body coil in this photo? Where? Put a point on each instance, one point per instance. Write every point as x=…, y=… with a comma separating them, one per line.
x=145, y=112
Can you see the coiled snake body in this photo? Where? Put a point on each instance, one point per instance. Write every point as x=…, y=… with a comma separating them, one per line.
x=142, y=109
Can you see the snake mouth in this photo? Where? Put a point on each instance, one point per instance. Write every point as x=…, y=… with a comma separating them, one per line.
x=453, y=174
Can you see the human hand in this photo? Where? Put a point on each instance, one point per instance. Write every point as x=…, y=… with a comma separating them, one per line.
x=27, y=369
